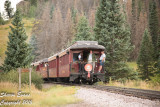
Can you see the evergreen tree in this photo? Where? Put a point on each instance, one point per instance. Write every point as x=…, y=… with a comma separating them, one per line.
x=153, y=26
x=51, y=11
x=2, y=22
x=158, y=51
x=145, y=58
x=9, y=10
x=17, y=49
x=83, y=30
x=110, y=31
x=34, y=46
x=33, y=2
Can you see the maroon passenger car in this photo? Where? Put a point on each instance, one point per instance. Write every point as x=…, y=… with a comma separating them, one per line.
x=65, y=66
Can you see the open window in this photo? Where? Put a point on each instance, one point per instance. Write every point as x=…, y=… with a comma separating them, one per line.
x=75, y=57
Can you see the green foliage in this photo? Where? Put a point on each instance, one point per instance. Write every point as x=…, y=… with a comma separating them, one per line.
x=33, y=2
x=83, y=30
x=125, y=74
x=17, y=49
x=9, y=10
x=111, y=32
x=154, y=27
x=145, y=59
x=13, y=76
x=133, y=7
x=140, y=2
x=74, y=13
x=158, y=51
x=51, y=11
x=34, y=46
x=155, y=80
x=32, y=11
x=2, y=22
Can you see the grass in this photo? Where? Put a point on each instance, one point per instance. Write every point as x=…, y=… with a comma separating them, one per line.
x=4, y=31
x=53, y=96
x=138, y=84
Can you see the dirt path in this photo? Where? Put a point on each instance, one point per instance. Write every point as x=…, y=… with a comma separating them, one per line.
x=97, y=98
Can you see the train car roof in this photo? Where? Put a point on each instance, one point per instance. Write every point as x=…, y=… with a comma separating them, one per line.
x=52, y=57
x=39, y=62
x=76, y=45
x=87, y=45
x=82, y=45
x=44, y=60
x=35, y=63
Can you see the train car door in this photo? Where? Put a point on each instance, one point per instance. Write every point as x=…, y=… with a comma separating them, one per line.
x=57, y=65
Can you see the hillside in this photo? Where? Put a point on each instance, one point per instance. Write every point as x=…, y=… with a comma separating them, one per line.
x=59, y=14
x=59, y=18
x=4, y=30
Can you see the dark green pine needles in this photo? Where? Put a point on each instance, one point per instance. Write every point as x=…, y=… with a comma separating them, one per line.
x=83, y=30
x=111, y=32
x=17, y=48
x=154, y=27
x=145, y=59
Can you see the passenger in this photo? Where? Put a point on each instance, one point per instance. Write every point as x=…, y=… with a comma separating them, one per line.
x=80, y=56
x=80, y=62
x=102, y=60
x=90, y=57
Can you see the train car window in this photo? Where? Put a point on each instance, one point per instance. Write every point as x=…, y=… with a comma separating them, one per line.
x=96, y=57
x=85, y=55
x=75, y=57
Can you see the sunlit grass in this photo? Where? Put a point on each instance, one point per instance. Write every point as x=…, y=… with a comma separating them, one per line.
x=4, y=31
x=54, y=96
x=138, y=84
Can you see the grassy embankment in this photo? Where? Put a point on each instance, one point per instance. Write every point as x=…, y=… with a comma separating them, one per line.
x=139, y=84
x=53, y=96
x=4, y=29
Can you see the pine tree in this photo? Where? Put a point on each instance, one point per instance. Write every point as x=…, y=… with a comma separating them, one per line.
x=9, y=10
x=145, y=58
x=34, y=46
x=83, y=30
x=51, y=11
x=153, y=26
x=17, y=49
x=158, y=52
x=110, y=31
x=2, y=22
x=33, y=2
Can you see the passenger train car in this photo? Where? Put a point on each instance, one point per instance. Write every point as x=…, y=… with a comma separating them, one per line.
x=65, y=65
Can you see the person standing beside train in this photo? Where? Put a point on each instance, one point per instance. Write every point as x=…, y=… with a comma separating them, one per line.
x=102, y=60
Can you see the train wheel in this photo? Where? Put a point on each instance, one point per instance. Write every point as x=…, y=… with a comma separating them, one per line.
x=91, y=82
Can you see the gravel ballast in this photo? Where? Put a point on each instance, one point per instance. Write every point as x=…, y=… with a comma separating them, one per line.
x=97, y=98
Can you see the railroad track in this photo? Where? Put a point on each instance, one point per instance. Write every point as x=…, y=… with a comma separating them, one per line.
x=140, y=93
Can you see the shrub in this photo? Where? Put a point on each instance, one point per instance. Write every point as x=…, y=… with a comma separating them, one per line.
x=13, y=77
x=155, y=80
x=32, y=11
x=2, y=22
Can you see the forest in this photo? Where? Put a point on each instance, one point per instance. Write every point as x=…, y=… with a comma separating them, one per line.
x=129, y=30
x=66, y=14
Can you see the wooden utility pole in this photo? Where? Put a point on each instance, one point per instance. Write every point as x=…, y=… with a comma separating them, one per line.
x=19, y=70
x=25, y=70
x=30, y=71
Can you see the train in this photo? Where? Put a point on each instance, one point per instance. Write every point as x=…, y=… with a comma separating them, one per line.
x=65, y=66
